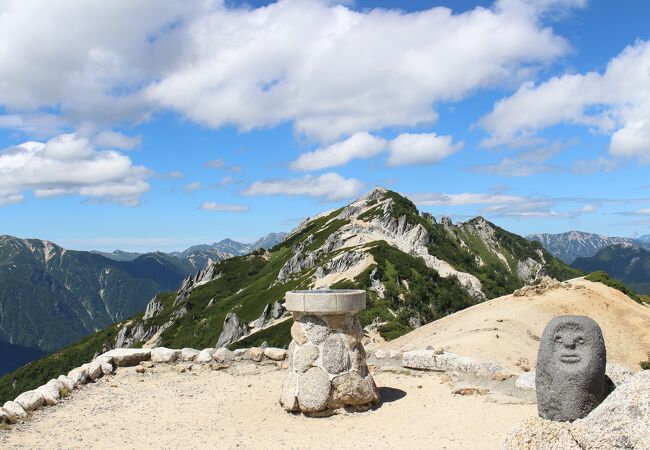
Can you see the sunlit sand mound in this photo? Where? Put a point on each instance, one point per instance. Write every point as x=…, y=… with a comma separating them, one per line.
x=507, y=329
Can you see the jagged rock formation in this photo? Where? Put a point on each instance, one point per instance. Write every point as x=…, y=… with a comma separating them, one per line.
x=233, y=330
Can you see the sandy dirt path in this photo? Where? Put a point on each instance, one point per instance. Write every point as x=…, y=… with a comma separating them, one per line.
x=238, y=408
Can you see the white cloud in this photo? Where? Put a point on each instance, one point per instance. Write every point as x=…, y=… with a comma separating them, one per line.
x=8, y=197
x=329, y=186
x=191, y=187
x=175, y=175
x=359, y=145
x=220, y=207
x=467, y=198
x=327, y=69
x=68, y=164
x=214, y=164
x=420, y=149
x=616, y=101
x=115, y=140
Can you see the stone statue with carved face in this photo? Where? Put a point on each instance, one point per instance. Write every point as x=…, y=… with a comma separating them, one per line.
x=570, y=378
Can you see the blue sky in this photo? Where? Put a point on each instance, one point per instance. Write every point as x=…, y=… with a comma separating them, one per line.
x=163, y=124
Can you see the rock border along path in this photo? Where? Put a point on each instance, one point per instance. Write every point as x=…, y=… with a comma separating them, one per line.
x=105, y=364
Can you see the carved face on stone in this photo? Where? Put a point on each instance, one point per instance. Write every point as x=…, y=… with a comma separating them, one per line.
x=570, y=376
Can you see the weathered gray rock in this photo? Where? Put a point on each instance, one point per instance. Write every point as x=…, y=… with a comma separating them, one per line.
x=264, y=319
x=621, y=421
x=57, y=384
x=4, y=416
x=188, y=354
x=315, y=329
x=239, y=352
x=14, y=411
x=276, y=354
x=164, y=355
x=233, y=330
x=30, y=400
x=277, y=310
x=313, y=390
x=107, y=368
x=617, y=373
x=336, y=358
x=67, y=381
x=124, y=357
x=205, y=356
x=298, y=334
x=432, y=360
x=353, y=389
x=223, y=355
x=304, y=357
x=78, y=375
x=288, y=398
x=51, y=395
x=570, y=377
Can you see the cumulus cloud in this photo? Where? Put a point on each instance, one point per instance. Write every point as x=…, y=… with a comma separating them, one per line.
x=214, y=164
x=359, y=145
x=220, y=207
x=467, y=198
x=419, y=149
x=405, y=149
x=66, y=165
x=329, y=186
x=616, y=102
x=328, y=69
x=115, y=140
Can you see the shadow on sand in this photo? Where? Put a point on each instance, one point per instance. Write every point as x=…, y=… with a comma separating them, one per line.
x=389, y=394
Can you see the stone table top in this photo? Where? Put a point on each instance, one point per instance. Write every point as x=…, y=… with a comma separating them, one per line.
x=331, y=301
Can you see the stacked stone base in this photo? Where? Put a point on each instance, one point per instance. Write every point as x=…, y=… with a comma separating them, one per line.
x=327, y=366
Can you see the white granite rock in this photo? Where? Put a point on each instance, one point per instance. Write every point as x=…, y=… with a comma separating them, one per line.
x=313, y=390
x=30, y=400
x=94, y=370
x=123, y=357
x=164, y=355
x=59, y=385
x=67, y=381
x=4, y=416
x=617, y=373
x=78, y=375
x=205, y=356
x=276, y=354
x=223, y=355
x=107, y=368
x=14, y=410
x=50, y=394
x=188, y=354
x=430, y=360
x=239, y=352
x=256, y=353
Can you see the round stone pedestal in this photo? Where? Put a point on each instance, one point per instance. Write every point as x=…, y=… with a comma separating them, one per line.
x=327, y=362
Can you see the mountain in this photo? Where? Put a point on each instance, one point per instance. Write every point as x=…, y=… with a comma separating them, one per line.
x=51, y=296
x=573, y=244
x=414, y=268
x=627, y=263
x=644, y=240
x=198, y=257
x=12, y=356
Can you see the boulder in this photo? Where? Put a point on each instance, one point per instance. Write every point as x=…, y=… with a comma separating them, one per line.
x=59, y=385
x=14, y=411
x=30, y=400
x=78, y=375
x=276, y=354
x=94, y=370
x=205, y=356
x=189, y=354
x=353, y=389
x=315, y=329
x=431, y=360
x=336, y=358
x=104, y=359
x=50, y=394
x=124, y=357
x=278, y=310
x=313, y=390
x=164, y=355
x=223, y=355
x=67, y=381
x=4, y=416
x=239, y=352
x=622, y=420
x=617, y=373
x=304, y=357
x=256, y=354
x=288, y=398
x=107, y=368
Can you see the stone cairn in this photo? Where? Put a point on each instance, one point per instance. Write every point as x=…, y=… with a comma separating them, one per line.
x=327, y=361
x=570, y=377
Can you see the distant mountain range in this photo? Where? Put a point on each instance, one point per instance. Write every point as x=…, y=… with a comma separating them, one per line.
x=50, y=296
x=197, y=257
x=628, y=263
x=574, y=244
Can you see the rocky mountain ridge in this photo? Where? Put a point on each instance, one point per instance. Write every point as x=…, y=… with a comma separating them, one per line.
x=574, y=244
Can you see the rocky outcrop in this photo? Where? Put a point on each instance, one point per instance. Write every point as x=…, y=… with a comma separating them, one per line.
x=123, y=357
x=622, y=420
x=153, y=307
x=529, y=270
x=206, y=275
x=296, y=264
x=233, y=330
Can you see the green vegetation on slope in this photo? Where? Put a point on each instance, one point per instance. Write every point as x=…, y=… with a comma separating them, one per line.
x=602, y=277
